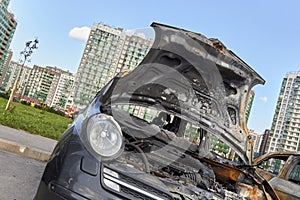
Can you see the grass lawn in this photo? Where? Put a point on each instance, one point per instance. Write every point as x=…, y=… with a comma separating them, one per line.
x=33, y=120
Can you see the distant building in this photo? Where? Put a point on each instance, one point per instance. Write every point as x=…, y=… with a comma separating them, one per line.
x=249, y=104
x=264, y=140
x=5, y=68
x=12, y=72
x=64, y=87
x=285, y=131
x=7, y=30
x=49, y=85
x=108, y=51
x=42, y=84
x=257, y=138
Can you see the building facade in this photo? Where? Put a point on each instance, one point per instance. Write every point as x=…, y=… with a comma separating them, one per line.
x=14, y=70
x=249, y=104
x=42, y=84
x=108, y=51
x=102, y=49
x=5, y=67
x=49, y=85
x=64, y=87
x=285, y=131
x=7, y=29
x=265, y=136
x=257, y=138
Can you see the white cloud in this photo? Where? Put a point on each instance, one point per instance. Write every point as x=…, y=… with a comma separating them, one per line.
x=80, y=33
x=134, y=32
x=141, y=35
x=263, y=99
x=129, y=32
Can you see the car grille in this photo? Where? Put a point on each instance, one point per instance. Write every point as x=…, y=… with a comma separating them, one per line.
x=130, y=187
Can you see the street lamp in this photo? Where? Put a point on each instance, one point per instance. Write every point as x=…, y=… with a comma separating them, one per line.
x=26, y=53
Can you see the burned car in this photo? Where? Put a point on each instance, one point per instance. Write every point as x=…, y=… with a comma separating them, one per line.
x=147, y=133
x=282, y=171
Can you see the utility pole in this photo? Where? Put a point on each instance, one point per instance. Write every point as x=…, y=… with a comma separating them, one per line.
x=26, y=53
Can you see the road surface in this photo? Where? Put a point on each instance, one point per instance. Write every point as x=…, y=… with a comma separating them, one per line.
x=19, y=176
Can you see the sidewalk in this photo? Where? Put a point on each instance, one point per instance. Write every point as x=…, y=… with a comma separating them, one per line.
x=26, y=144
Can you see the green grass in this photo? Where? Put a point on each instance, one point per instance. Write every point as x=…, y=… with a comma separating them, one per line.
x=33, y=120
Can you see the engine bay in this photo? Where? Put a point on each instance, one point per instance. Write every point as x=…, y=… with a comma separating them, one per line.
x=178, y=165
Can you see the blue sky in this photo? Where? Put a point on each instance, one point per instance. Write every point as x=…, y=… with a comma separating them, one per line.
x=264, y=33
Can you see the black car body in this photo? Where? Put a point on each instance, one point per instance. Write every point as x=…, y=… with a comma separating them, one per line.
x=189, y=82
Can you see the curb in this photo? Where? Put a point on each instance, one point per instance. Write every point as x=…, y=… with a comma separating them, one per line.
x=24, y=150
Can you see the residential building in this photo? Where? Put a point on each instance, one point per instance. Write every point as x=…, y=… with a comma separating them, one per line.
x=7, y=29
x=64, y=87
x=264, y=140
x=5, y=67
x=102, y=48
x=108, y=51
x=50, y=85
x=249, y=104
x=14, y=70
x=42, y=84
x=285, y=131
x=257, y=139
x=134, y=49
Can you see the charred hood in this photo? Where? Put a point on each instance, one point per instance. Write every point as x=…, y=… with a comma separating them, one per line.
x=197, y=78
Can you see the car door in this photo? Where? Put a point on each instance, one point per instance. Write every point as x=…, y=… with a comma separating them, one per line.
x=287, y=183
x=270, y=166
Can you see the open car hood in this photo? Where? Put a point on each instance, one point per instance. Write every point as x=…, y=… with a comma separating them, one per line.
x=197, y=78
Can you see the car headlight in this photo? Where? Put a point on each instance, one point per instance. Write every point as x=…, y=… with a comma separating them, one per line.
x=104, y=135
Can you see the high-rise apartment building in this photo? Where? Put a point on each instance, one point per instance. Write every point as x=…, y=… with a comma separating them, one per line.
x=265, y=136
x=13, y=71
x=257, y=138
x=64, y=87
x=249, y=104
x=285, y=131
x=7, y=30
x=100, y=55
x=49, y=85
x=42, y=84
x=108, y=51
x=5, y=67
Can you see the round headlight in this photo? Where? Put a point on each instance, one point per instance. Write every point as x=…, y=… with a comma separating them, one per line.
x=104, y=135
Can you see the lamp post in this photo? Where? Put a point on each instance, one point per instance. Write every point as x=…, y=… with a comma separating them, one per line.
x=26, y=53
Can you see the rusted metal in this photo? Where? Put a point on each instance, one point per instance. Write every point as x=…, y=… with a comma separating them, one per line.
x=284, y=188
x=218, y=45
x=223, y=172
x=252, y=192
x=274, y=154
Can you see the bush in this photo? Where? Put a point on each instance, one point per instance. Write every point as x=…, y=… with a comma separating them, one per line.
x=4, y=95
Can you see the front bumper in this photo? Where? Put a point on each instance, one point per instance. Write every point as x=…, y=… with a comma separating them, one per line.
x=73, y=173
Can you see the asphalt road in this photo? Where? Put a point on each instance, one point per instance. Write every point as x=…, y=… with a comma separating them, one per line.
x=19, y=176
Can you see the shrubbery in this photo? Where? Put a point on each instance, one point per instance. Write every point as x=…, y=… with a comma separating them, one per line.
x=4, y=95
x=45, y=108
x=52, y=110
